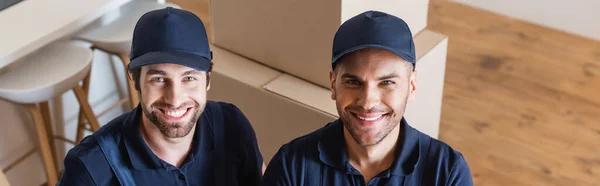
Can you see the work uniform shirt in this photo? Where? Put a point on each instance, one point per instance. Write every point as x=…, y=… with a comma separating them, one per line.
x=320, y=158
x=86, y=165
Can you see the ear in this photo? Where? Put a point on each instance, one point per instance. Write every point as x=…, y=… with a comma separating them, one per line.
x=208, y=82
x=131, y=80
x=332, y=84
x=129, y=75
x=412, y=85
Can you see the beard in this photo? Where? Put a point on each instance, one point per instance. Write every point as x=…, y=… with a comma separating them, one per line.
x=173, y=129
x=372, y=135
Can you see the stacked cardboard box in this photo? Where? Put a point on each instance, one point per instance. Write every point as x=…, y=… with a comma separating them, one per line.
x=272, y=59
x=296, y=36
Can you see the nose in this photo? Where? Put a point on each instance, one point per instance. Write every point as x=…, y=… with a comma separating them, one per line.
x=174, y=94
x=369, y=97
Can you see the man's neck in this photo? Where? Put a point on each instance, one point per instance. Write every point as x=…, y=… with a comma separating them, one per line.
x=371, y=160
x=172, y=150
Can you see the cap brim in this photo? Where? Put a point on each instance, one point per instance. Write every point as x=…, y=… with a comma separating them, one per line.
x=194, y=61
x=350, y=50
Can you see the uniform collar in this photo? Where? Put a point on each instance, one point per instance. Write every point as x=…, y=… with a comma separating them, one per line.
x=332, y=150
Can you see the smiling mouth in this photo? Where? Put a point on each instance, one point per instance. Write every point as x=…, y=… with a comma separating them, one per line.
x=369, y=117
x=176, y=113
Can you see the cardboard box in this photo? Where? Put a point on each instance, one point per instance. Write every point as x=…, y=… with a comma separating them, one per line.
x=296, y=36
x=425, y=111
x=275, y=119
x=282, y=107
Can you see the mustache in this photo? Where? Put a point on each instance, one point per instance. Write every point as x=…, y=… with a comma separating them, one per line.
x=165, y=105
x=356, y=108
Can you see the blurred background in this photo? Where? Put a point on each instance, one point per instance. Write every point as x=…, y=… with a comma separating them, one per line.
x=513, y=85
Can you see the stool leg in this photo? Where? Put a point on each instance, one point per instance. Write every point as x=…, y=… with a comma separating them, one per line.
x=85, y=106
x=133, y=97
x=81, y=120
x=49, y=128
x=43, y=137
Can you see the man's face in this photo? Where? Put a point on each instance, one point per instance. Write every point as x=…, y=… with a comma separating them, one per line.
x=172, y=97
x=371, y=88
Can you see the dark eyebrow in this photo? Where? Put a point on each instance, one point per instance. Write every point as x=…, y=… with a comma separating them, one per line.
x=190, y=72
x=350, y=76
x=389, y=76
x=155, y=72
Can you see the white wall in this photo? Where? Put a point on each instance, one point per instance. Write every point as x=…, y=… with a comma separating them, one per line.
x=580, y=17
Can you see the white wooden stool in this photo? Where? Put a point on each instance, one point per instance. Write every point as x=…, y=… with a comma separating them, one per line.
x=37, y=78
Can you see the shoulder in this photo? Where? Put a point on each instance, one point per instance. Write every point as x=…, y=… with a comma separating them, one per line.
x=449, y=163
x=88, y=151
x=442, y=151
x=452, y=167
x=89, y=145
x=305, y=146
x=233, y=118
x=85, y=164
x=230, y=111
x=295, y=158
x=80, y=156
x=239, y=134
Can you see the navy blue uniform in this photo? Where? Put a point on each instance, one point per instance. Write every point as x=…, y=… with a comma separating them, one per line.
x=320, y=158
x=241, y=161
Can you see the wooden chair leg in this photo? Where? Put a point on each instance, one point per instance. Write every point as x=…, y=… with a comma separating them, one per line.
x=86, y=108
x=3, y=180
x=46, y=152
x=133, y=97
x=45, y=109
x=81, y=122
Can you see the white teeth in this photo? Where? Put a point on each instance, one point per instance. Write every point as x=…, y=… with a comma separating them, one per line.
x=369, y=119
x=176, y=114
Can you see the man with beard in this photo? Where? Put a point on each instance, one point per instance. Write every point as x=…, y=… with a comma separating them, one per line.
x=373, y=77
x=175, y=136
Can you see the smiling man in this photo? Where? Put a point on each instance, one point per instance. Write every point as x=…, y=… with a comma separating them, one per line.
x=373, y=77
x=175, y=136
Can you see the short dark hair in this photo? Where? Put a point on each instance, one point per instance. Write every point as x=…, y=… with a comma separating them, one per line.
x=137, y=72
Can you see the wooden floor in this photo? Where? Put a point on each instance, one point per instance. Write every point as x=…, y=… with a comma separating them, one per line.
x=521, y=101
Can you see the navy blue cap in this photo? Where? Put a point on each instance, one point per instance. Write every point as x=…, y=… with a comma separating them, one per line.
x=373, y=29
x=170, y=35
